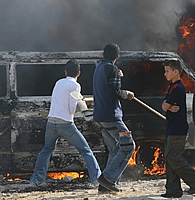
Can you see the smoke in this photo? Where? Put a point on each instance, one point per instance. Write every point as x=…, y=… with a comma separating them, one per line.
x=69, y=25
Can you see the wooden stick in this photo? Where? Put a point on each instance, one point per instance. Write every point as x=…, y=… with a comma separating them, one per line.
x=88, y=99
x=149, y=108
x=139, y=101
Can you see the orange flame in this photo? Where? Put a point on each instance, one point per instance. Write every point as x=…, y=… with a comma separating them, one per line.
x=187, y=27
x=54, y=175
x=10, y=179
x=132, y=160
x=187, y=48
x=157, y=169
x=62, y=175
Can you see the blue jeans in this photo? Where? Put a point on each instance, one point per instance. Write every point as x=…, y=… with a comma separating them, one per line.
x=69, y=132
x=120, y=149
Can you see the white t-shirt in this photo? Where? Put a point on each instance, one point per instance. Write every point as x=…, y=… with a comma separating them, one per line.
x=63, y=104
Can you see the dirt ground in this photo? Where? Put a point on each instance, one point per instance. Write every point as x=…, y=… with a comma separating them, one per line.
x=134, y=187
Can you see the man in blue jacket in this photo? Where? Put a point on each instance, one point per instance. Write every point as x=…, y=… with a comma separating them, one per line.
x=108, y=113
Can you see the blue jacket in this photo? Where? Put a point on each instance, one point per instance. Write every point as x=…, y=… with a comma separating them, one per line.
x=107, y=93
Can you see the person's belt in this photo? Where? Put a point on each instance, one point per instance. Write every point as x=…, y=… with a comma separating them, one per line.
x=54, y=120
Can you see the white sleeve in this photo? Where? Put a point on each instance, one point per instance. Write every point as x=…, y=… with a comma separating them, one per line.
x=76, y=94
x=80, y=104
x=72, y=102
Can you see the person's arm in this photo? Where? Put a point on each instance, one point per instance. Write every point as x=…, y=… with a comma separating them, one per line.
x=169, y=104
x=76, y=102
x=166, y=106
x=74, y=96
x=114, y=83
x=73, y=102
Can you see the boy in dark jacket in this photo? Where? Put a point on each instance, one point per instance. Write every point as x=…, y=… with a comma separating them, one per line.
x=108, y=113
x=176, y=130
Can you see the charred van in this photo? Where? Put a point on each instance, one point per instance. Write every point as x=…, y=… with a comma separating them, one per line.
x=26, y=83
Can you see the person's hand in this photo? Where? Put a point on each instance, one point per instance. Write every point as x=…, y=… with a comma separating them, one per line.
x=174, y=108
x=120, y=73
x=130, y=95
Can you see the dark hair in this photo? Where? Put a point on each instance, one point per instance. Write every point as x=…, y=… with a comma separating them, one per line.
x=174, y=64
x=72, y=68
x=111, y=51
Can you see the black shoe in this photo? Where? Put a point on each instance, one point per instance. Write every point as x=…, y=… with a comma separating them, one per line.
x=191, y=191
x=110, y=186
x=102, y=189
x=167, y=195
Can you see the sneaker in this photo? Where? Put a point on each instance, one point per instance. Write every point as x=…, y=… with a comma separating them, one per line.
x=167, y=195
x=110, y=186
x=34, y=185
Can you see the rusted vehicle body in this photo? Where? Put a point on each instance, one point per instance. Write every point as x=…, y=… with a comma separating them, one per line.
x=26, y=83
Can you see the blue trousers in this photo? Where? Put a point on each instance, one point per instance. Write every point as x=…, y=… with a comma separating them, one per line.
x=120, y=149
x=69, y=132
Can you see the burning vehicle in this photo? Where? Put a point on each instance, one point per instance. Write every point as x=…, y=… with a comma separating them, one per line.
x=26, y=83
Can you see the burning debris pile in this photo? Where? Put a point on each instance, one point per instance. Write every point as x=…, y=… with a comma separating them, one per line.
x=50, y=185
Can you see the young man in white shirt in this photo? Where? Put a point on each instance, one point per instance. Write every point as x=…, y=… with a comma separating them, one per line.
x=60, y=123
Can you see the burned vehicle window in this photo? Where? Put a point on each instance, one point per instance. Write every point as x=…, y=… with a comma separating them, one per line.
x=39, y=79
x=86, y=78
x=143, y=78
x=3, y=81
